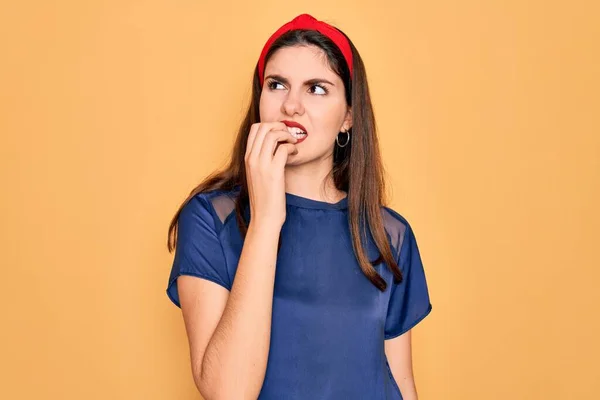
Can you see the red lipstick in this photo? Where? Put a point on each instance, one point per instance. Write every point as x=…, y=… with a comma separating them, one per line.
x=293, y=124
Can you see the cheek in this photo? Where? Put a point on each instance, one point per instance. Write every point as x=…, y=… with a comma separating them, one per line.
x=262, y=107
x=328, y=117
x=268, y=107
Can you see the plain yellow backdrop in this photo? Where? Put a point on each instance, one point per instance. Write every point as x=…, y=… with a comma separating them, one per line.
x=111, y=111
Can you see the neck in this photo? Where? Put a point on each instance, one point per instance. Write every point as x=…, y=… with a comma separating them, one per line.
x=312, y=181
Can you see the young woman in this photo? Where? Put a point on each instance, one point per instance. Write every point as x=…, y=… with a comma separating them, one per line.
x=294, y=279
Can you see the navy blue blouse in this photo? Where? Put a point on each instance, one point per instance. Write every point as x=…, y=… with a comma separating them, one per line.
x=329, y=321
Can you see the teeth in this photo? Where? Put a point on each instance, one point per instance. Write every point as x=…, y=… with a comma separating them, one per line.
x=296, y=132
x=298, y=135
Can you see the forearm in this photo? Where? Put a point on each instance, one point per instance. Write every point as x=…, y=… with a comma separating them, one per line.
x=235, y=360
x=407, y=388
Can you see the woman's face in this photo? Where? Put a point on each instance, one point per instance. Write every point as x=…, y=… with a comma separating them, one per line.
x=299, y=86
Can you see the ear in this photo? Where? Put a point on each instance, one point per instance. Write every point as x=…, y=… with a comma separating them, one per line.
x=347, y=120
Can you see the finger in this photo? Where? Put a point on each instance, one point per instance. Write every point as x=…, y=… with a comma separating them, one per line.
x=260, y=136
x=273, y=139
x=251, y=138
x=282, y=154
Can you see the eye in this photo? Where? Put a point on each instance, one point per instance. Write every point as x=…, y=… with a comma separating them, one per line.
x=321, y=90
x=272, y=84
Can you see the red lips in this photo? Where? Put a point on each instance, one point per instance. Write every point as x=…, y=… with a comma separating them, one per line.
x=293, y=124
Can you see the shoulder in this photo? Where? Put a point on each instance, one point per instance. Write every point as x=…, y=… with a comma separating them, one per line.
x=396, y=225
x=210, y=207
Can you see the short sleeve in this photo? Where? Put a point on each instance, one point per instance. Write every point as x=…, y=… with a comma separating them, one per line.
x=198, y=251
x=409, y=300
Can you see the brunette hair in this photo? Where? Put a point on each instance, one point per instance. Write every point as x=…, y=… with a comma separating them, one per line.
x=357, y=167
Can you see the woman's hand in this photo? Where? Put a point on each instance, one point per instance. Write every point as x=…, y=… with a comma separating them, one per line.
x=269, y=145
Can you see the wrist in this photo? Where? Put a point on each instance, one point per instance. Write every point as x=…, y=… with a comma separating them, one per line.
x=265, y=227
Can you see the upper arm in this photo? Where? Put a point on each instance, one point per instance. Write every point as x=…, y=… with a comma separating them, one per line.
x=409, y=301
x=409, y=304
x=399, y=354
x=202, y=305
x=199, y=282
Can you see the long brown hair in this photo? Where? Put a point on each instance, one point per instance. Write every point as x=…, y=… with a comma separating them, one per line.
x=357, y=167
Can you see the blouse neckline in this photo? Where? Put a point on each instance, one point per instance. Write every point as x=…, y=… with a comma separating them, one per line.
x=305, y=202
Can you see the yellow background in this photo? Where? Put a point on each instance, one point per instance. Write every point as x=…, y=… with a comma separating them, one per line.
x=111, y=111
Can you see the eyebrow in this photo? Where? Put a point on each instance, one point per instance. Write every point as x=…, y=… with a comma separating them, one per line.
x=309, y=82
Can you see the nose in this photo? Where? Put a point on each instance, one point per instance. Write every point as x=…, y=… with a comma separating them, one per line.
x=292, y=104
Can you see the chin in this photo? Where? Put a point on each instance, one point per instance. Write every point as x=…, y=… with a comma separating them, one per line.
x=290, y=162
x=293, y=161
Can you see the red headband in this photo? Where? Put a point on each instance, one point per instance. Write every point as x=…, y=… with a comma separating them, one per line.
x=306, y=21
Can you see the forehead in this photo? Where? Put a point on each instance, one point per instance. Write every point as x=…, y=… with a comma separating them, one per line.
x=301, y=62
